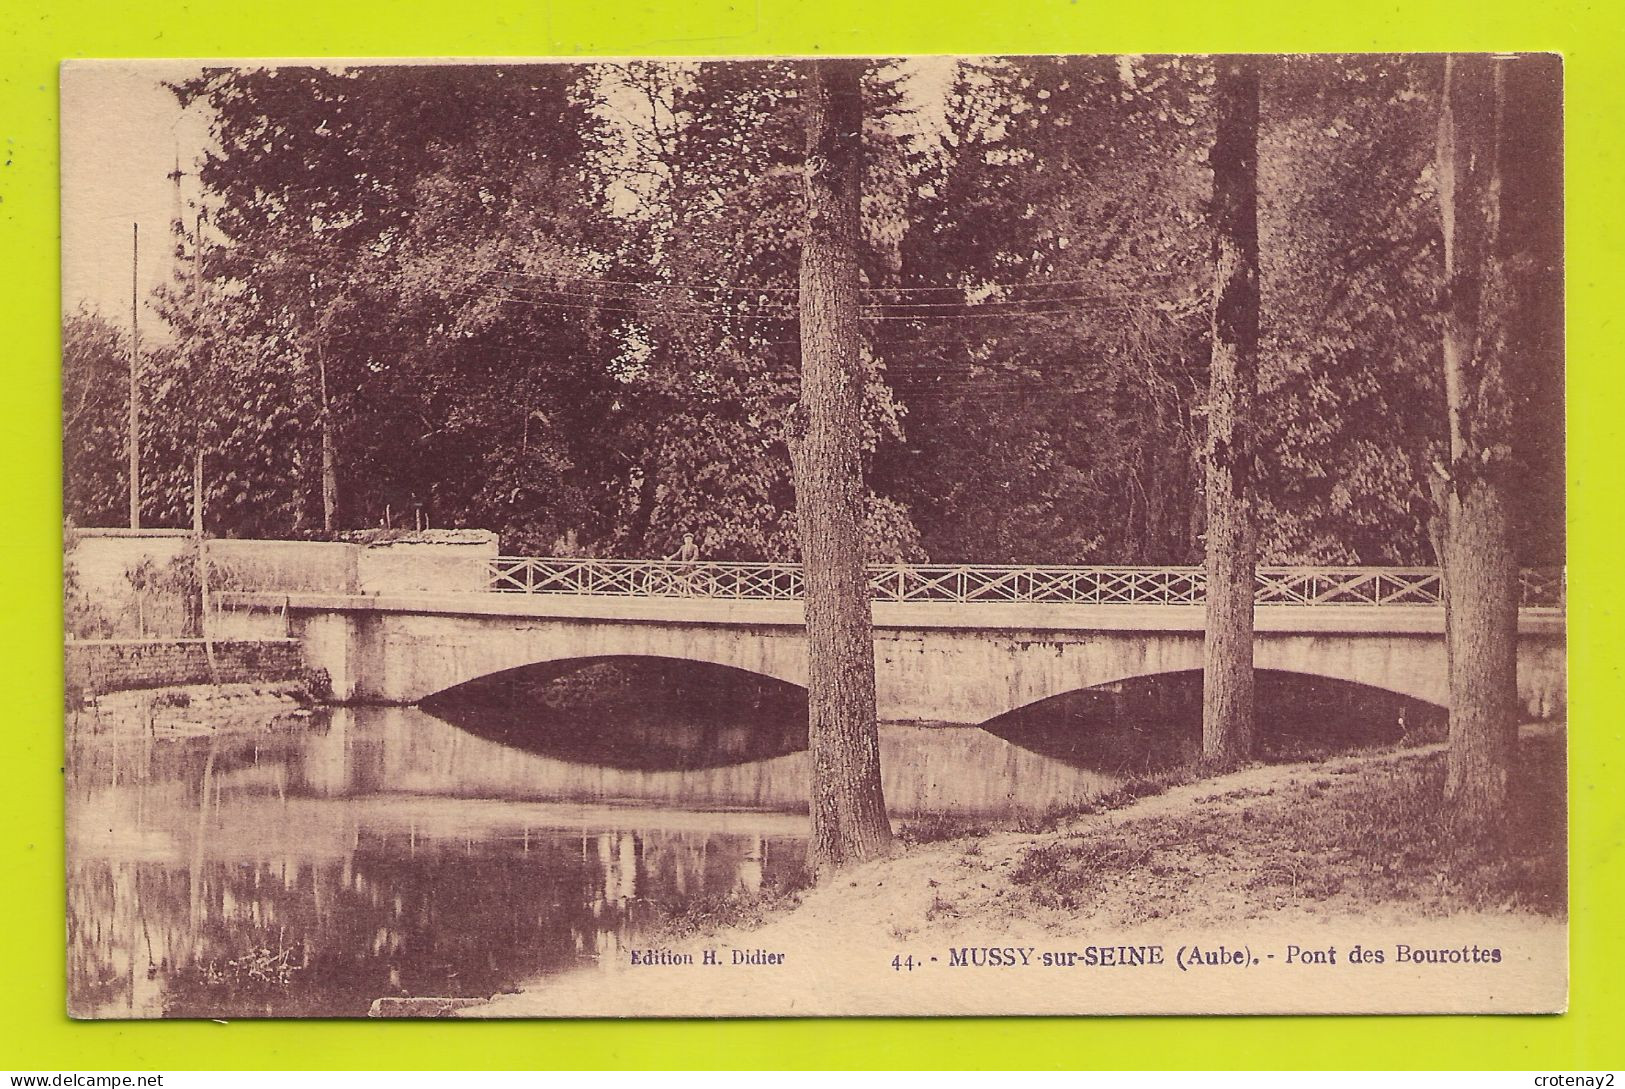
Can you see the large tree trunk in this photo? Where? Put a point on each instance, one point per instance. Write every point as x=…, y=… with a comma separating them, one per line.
x=848, y=810
x=1232, y=538
x=1479, y=561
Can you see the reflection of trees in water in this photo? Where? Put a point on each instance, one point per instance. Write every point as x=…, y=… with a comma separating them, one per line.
x=116, y=945
x=401, y=914
x=644, y=714
x=382, y=852
x=1150, y=723
x=141, y=758
x=220, y=876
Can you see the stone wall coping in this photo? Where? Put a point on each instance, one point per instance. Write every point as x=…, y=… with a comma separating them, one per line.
x=250, y=542
x=165, y=641
x=118, y=531
x=432, y=537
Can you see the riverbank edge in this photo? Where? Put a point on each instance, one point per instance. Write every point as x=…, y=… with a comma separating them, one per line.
x=810, y=910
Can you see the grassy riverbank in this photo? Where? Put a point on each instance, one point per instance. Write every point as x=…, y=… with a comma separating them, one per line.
x=1347, y=834
x=1356, y=835
x=1351, y=841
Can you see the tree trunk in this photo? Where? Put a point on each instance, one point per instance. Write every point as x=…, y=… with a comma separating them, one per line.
x=1232, y=538
x=648, y=489
x=330, y=472
x=1479, y=561
x=848, y=810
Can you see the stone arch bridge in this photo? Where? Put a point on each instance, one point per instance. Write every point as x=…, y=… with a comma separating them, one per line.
x=953, y=644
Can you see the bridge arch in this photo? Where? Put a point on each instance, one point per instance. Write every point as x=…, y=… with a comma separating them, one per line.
x=1018, y=673
x=634, y=714
x=405, y=657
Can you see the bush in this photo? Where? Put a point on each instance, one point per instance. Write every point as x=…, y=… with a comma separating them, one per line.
x=82, y=618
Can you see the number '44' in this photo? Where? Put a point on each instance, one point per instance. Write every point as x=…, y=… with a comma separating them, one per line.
x=901, y=963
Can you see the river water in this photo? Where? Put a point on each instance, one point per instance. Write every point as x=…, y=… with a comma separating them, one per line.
x=308, y=866
x=311, y=867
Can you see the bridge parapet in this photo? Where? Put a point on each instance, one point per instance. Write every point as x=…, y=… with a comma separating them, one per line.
x=968, y=583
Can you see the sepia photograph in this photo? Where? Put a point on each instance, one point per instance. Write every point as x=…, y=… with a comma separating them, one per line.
x=912, y=536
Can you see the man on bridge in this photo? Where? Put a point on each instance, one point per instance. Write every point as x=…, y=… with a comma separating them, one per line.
x=687, y=555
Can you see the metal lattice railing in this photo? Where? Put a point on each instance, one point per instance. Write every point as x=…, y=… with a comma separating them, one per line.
x=647, y=578
x=967, y=583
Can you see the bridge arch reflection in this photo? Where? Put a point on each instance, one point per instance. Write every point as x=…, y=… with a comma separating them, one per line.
x=638, y=713
x=648, y=714
x=1151, y=722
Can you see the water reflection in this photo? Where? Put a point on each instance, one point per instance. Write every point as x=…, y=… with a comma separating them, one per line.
x=308, y=867
x=964, y=771
x=276, y=875
x=1151, y=723
x=312, y=867
x=399, y=913
x=644, y=714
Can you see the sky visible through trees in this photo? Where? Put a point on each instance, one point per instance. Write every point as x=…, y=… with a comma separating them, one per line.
x=558, y=301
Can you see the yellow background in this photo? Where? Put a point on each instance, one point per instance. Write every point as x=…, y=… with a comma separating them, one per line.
x=36, y=34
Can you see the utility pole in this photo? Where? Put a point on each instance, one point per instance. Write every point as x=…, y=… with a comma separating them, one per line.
x=134, y=440
x=200, y=362
x=203, y=626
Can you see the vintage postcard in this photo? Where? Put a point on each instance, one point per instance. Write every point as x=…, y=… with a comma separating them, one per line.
x=910, y=536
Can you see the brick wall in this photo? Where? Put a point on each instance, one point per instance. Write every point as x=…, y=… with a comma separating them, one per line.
x=110, y=665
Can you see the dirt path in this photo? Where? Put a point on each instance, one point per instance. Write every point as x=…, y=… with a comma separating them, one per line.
x=1284, y=862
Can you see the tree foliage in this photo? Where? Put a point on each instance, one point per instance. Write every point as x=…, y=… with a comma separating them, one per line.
x=95, y=392
x=556, y=301
x=715, y=238
x=1046, y=339
x=1350, y=359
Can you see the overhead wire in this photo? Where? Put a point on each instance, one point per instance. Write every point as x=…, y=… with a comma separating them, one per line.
x=913, y=380
x=575, y=281
x=1004, y=308
x=771, y=289
x=914, y=376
